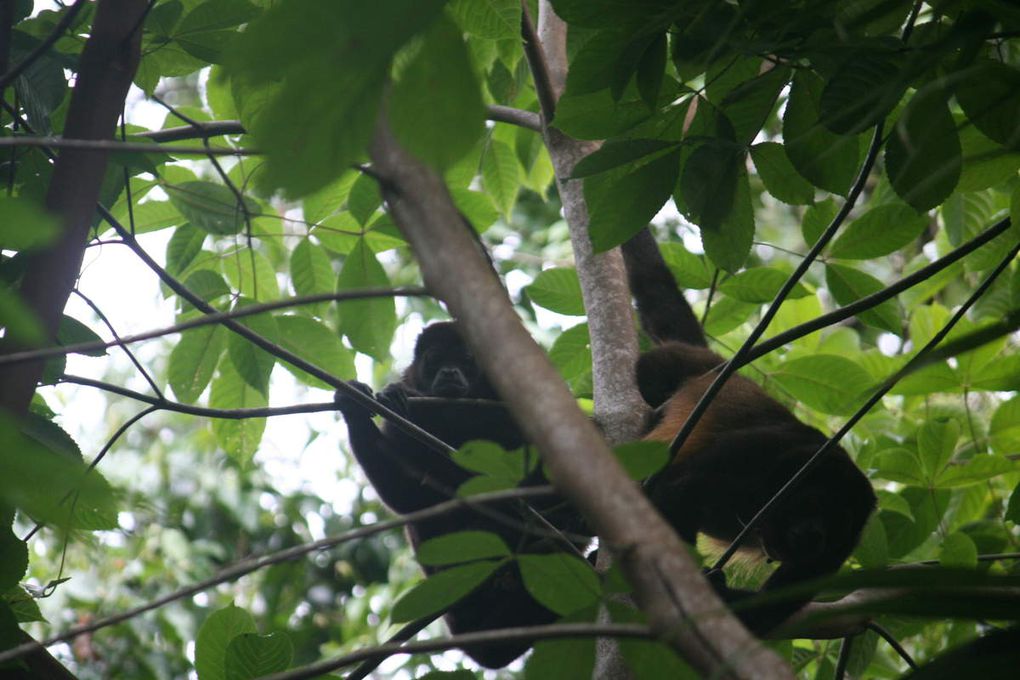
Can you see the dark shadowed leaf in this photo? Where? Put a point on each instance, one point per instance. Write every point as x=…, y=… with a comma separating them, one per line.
x=461, y=546
x=442, y=589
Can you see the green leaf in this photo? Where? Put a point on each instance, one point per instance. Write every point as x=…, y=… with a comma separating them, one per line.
x=492, y=460
x=73, y=332
x=239, y=439
x=826, y=382
x=212, y=207
x=492, y=19
x=368, y=324
x=936, y=442
x=214, y=638
x=622, y=205
x=641, y=459
x=183, y=246
x=864, y=89
x=311, y=271
x=560, y=582
x=254, y=656
x=501, y=174
x=729, y=246
x=356, y=43
x=561, y=659
x=990, y=96
x=848, y=285
x=827, y=160
x=817, y=218
x=25, y=225
x=207, y=29
x=364, y=198
x=901, y=465
x=923, y=155
x=748, y=105
x=558, y=290
x=461, y=546
x=193, y=360
x=618, y=152
x=1004, y=430
x=35, y=478
x=252, y=363
x=880, y=231
x=779, y=176
x=759, y=284
x=1013, y=508
x=206, y=284
x=436, y=109
x=726, y=314
x=476, y=207
x=441, y=589
x=327, y=200
x=650, y=70
x=155, y=215
x=975, y=471
x=958, y=550
x=709, y=183
x=571, y=354
x=314, y=342
x=691, y=271
x=15, y=562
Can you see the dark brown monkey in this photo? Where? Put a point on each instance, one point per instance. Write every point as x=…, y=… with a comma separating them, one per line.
x=742, y=451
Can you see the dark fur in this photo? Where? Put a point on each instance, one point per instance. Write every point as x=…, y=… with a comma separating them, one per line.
x=744, y=448
x=408, y=476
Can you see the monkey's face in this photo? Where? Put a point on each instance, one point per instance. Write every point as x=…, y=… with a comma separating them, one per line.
x=444, y=367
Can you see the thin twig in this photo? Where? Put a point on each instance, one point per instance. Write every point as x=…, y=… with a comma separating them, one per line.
x=212, y=318
x=112, y=145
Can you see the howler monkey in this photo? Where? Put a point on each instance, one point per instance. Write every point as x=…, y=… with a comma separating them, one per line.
x=409, y=476
x=745, y=447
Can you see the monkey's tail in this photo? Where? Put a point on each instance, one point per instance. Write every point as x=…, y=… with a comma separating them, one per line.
x=664, y=312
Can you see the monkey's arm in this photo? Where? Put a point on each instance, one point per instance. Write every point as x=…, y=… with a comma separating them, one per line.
x=406, y=474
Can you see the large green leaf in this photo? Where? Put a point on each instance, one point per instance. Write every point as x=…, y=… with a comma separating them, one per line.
x=193, y=360
x=238, y=438
x=923, y=155
x=462, y=546
x=848, y=285
x=212, y=207
x=622, y=203
x=214, y=638
x=759, y=284
x=501, y=174
x=990, y=96
x=323, y=101
x=729, y=245
x=880, y=231
x=368, y=324
x=826, y=382
x=314, y=342
x=442, y=589
x=435, y=107
x=25, y=225
x=827, y=160
x=493, y=19
x=561, y=582
x=254, y=656
x=558, y=290
x=863, y=90
x=779, y=176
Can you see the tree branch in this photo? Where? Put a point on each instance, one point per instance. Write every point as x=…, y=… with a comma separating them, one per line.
x=209, y=319
x=669, y=586
x=546, y=632
x=106, y=68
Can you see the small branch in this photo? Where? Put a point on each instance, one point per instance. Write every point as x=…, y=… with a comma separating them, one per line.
x=177, y=407
x=877, y=298
x=113, y=145
x=519, y=117
x=43, y=47
x=250, y=565
x=201, y=130
x=844, y=657
x=533, y=50
x=119, y=342
x=212, y=318
x=553, y=631
x=219, y=128
x=894, y=643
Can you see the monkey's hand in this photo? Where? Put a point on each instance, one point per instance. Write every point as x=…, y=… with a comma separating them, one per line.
x=394, y=397
x=348, y=406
